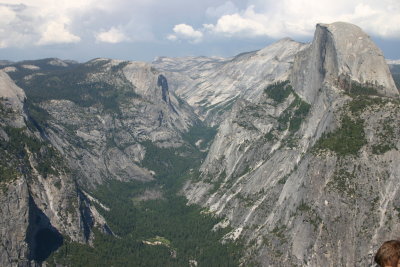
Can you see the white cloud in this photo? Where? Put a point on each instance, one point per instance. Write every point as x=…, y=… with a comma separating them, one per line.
x=112, y=36
x=225, y=9
x=7, y=15
x=277, y=19
x=39, y=22
x=172, y=37
x=45, y=22
x=235, y=24
x=186, y=32
x=55, y=32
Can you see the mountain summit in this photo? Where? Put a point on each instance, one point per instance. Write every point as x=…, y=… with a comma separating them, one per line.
x=341, y=53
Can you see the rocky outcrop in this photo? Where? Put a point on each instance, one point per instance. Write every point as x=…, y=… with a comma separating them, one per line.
x=39, y=199
x=306, y=173
x=341, y=51
x=104, y=141
x=212, y=85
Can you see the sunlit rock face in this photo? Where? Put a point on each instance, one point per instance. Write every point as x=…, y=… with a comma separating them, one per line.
x=308, y=174
x=212, y=85
x=341, y=51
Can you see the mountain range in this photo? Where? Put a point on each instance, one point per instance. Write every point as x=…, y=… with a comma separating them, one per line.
x=290, y=154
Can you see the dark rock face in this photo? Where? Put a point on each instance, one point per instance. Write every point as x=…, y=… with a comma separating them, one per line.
x=87, y=218
x=163, y=83
x=42, y=237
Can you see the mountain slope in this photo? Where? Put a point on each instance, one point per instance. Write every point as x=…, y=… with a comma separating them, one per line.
x=39, y=199
x=308, y=173
x=100, y=115
x=103, y=126
x=213, y=87
x=304, y=167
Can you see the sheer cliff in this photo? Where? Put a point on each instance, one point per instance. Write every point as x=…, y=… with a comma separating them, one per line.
x=39, y=200
x=308, y=173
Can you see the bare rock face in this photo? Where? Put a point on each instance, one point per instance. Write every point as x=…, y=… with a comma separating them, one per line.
x=13, y=98
x=341, y=51
x=306, y=174
x=39, y=200
x=106, y=139
x=212, y=85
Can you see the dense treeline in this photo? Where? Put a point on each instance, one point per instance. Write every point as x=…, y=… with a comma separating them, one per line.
x=74, y=84
x=188, y=231
x=184, y=232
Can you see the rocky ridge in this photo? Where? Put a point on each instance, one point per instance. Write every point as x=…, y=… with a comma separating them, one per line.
x=212, y=85
x=291, y=171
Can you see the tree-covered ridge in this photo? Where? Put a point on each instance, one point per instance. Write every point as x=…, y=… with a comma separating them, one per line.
x=279, y=91
x=21, y=150
x=76, y=84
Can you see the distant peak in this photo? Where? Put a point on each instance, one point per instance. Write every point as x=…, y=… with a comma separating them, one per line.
x=282, y=48
x=393, y=61
x=285, y=40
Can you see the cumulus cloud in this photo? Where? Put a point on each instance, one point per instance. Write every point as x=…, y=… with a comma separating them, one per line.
x=238, y=25
x=39, y=22
x=55, y=32
x=112, y=36
x=83, y=22
x=278, y=19
x=49, y=22
x=224, y=9
x=186, y=32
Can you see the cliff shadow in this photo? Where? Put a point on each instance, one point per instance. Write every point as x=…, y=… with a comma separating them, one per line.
x=42, y=237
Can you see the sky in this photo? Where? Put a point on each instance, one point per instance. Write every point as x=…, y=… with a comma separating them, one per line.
x=141, y=30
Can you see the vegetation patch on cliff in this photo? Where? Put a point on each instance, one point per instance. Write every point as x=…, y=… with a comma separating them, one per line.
x=279, y=91
x=294, y=115
x=348, y=139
